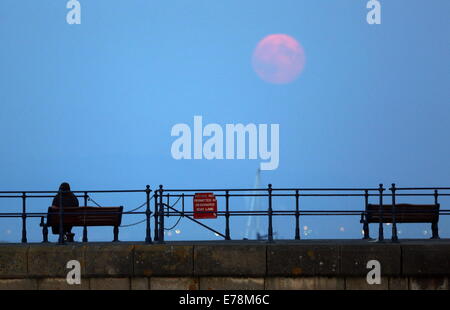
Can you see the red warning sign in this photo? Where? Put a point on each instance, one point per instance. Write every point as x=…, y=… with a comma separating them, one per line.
x=205, y=202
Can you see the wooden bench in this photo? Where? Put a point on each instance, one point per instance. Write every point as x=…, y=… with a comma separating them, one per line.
x=404, y=213
x=84, y=217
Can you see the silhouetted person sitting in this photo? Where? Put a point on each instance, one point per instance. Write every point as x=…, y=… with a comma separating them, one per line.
x=66, y=199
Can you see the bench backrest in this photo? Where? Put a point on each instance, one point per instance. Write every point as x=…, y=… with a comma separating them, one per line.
x=404, y=213
x=86, y=216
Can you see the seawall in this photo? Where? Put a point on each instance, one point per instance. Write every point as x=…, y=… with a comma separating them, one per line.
x=306, y=264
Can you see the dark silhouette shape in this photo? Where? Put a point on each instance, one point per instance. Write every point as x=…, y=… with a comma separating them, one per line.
x=66, y=199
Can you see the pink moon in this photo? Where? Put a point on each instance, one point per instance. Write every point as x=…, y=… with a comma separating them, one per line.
x=278, y=59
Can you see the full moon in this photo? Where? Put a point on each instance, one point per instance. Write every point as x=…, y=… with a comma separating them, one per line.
x=278, y=59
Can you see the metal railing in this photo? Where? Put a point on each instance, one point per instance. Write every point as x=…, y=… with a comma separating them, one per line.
x=162, y=208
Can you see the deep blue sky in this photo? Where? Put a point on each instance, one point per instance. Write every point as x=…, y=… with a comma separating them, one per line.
x=94, y=104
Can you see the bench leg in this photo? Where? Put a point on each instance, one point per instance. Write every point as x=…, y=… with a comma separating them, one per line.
x=365, y=226
x=380, y=232
x=116, y=234
x=394, y=237
x=45, y=233
x=85, y=238
x=366, y=231
x=70, y=237
x=435, y=230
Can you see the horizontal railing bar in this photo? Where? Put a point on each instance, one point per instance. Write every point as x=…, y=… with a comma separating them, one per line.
x=79, y=191
x=265, y=189
x=326, y=189
x=295, y=189
x=212, y=190
x=421, y=188
x=303, y=195
x=300, y=212
x=242, y=214
x=229, y=190
x=174, y=214
x=36, y=196
x=73, y=213
x=278, y=214
x=231, y=212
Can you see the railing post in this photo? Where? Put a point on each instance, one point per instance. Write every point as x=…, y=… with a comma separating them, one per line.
x=364, y=220
x=270, y=211
x=24, y=218
x=85, y=232
x=161, y=215
x=394, y=215
x=61, y=218
x=434, y=224
x=297, y=216
x=148, y=237
x=168, y=204
x=380, y=226
x=182, y=204
x=156, y=216
x=227, y=215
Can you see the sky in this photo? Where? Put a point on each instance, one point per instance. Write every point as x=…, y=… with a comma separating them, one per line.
x=94, y=104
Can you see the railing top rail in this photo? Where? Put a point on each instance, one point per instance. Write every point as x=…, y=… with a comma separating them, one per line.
x=266, y=188
x=301, y=195
x=77, y=191
x=421, y=188
x=300, y=189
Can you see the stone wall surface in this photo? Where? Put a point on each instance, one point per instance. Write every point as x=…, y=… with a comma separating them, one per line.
x=233, y=265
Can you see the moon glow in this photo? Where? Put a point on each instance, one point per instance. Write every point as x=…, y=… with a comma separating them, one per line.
x=278, y=59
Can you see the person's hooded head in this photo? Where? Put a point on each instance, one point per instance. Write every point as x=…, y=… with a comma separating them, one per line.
x=64, y=187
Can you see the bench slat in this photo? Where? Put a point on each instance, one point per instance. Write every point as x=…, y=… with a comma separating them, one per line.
x=86, y=216
x=404, y=213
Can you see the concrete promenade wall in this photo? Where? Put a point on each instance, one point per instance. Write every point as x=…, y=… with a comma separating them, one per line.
x=233, y=265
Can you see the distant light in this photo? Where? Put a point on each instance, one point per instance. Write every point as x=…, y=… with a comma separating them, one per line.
x=169, y=233
x=307, y=231
x=388, y=224
x=425, y=232
x=399, y=231
x=362, y=232
x=217, y=235
x=178, y=231
x=341, y=228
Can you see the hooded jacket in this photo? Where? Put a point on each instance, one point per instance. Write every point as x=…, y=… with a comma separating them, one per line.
x=68, y=198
